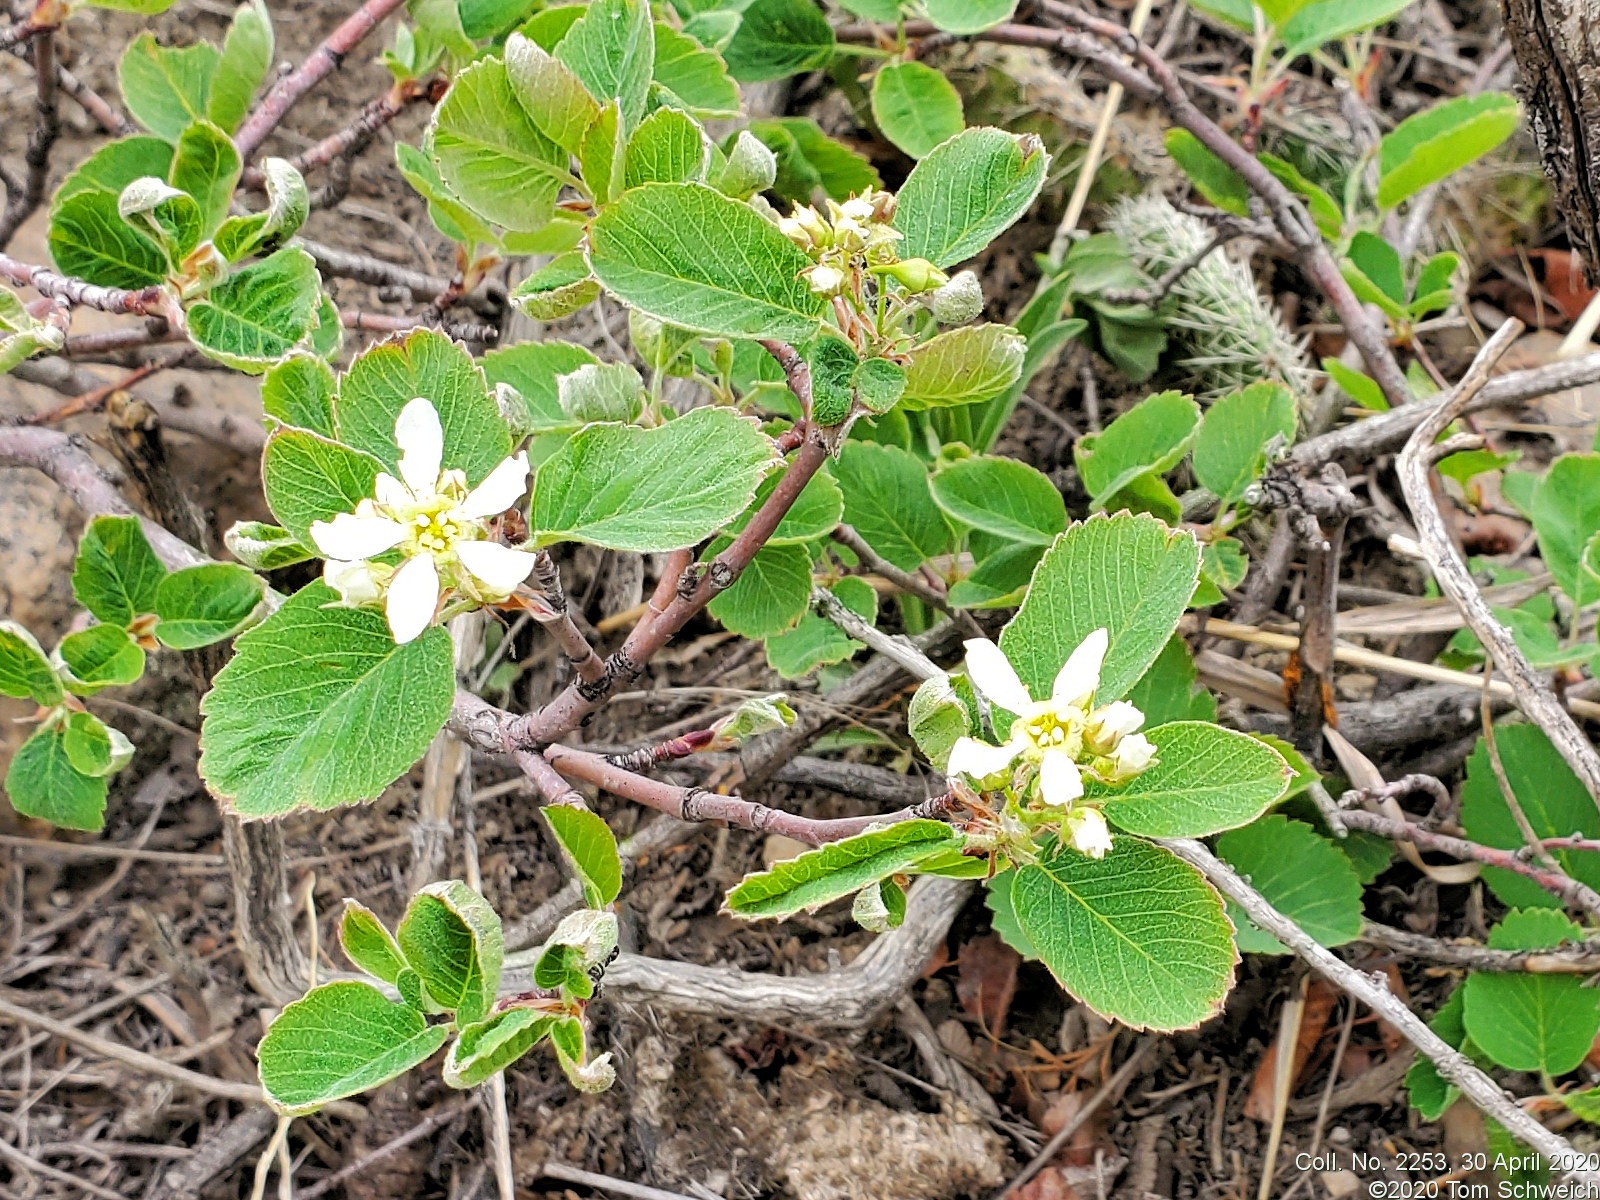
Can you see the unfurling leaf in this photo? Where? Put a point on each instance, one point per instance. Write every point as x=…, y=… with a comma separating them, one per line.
x=589, y=843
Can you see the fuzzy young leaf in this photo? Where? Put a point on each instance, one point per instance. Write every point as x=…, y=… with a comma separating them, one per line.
x=966, y=192
x=167, y=88
x=264, y=547
x=592, y=849
x=554, y=98
x=168, y=215
x=318, y=707
x=42, y=782
x=1231, y=447
x=1302, y=874
x=915, y=106
x=96, y=658
x=612, y=48
x=809, y=159
x=1531, y=1022
x=338, y=1040
x=582, y=942
x=817, y=641
x=116, y=573
x=968, y=16
x=963, y=366
x=1138, y=935
x=937, y=718
x=778, y=38
x=1001, y=496
x=206, y=166
x=534, y=370
x=879, y=907
x=1439, y=141
x=246, y=59
x=288, y=205
x=753, y=717
x=452, y=939
x=205, y=604
x=1149, y=439
x=887, y=501
x=492, y=1045
x=1205, y=779
x=25, y=671
x=93, y=747
x=368, y=944
x=668, y=147
x=658, y=489
x=253, y=318
x=838, y=869
x=558, y=289
x=1129, y=575
x=690, y=256
x=1550, y=796
x=492, y=155
x=770, y=595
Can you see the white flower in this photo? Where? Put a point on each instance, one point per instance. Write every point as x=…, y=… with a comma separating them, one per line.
x=1087, y=832
x=1132, y=754
x=1110, y=723
x=825, y=280
x=437, y=524
x=857, y=208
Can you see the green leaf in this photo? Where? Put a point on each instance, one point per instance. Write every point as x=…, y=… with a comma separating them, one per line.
x=42, y=782
x=532, y=370
x=1531, y=1022
x=1001, y=496
x=1432, y=291
x=1149, y=439
x=205, y=604
x=1439, y=141
x=1205, y=779
x=318, y=707
x=1565, y=511
x=167, y=88
x=1550, y=796
x=963, y=366
x=611, y=48
x=887, y=501
x=206, y=165
x=628, y=488
x=491, y=154
x=96, y=658
x=1302, y=874
x=299, y=391
x=115, y=165
x=809, y=159
x=1137, y=935
x=116, y=573
x=1325, y=211
x=341, y=1039
x=368, y=944
x=667, y=147
x=93, y=747
x=880, y=384
x=1329, y=20
x=1363, y=389
x=937, y=718
x=817, y=641
x=814, y=513
x=820, y=876
x=452, y=938
x=491, y=1046
x=144, y=7
x=1129, y=575
x=1168, y=690
x=770, y=594
x=999, y=900
x=1429, y=1093
x=160, y=211
x=449, y=215
x=592, y=850
x=778, y=38
x=246, y=59
x=256, y=316
x=386, y=378
x=553, y=97
x=601, y=155
x=308, y=478
x=582, y=942
x=966, y=192
x=558, y=289
x=690, y=256
x=968, y=16
x=1374, y=272
x=25, y=671
x=695, y=76
x=90, y=240
x=1219, y=183
x=999, y=580
x=263, y=547
x=915, y=106
x=1230, y=449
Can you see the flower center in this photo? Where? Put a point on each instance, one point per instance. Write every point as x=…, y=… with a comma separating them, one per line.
x=435, y=530
x=1057, y=729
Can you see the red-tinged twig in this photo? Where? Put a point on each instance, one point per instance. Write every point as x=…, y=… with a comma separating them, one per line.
x=354, y=137
x=1579, y=895
x=92, y=401
x=697, y=804
x=16, y=35
x=40, y=142
x=646, y=758
x=324, y=60
x=549, y=608
x=80, y=293
x=86, y=97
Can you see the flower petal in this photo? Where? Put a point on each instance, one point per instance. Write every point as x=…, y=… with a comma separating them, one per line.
x=500, y=489
x=356, y=582
x=499, y=567
x=1116, y=720
x=1080, y=674
x=390, y=492
x=978, y=760
x=1133, y=754
x=993, y=675
x=1088, y=832
x=413, y=598
x=421, y=440
x=1060, y=783
x=348, y=537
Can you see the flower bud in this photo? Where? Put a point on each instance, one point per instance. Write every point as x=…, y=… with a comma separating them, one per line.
x=915, y=274
x=601, y=392
x=751, y=167
x=810, y=221
x=826, y=280
x=957, y=302
x=1110, y=723
x=1132, y=755
x=1086, y=830
x=858, y=208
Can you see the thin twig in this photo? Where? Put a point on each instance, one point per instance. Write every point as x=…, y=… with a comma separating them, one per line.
x=79, y=292
x=607, y=1183
x=434, y=1120
x=1532, y=693
x=911, y=584
x=1567, y=961
x=40, y=142
x=27, y=1164
x=897, y=649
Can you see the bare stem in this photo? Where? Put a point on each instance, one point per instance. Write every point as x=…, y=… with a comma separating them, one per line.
x=45, y=132
x=46, y=282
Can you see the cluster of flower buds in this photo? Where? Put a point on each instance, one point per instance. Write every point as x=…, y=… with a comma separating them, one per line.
x=852, y=237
